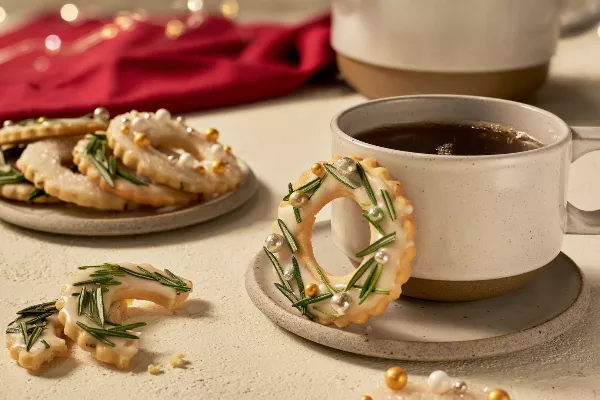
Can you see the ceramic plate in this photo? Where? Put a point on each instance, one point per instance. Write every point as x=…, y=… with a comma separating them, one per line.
x=411, y=329
x=71, y=220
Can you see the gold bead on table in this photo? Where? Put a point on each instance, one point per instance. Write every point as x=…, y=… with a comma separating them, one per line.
x=227, y=149
x=41, y=119
x=317, y=169
x=365, y=397
x=141, y=139
x=498, y=394
x=200, y=169
x=311, y=290
x=218, y=167
x=125, y=130
x=211, y=134
x=396, y=378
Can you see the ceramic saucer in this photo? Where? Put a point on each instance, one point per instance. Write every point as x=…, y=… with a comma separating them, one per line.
x=71, y=220
x=551, y=303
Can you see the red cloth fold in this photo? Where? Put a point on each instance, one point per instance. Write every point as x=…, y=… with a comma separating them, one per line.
x=219, y=63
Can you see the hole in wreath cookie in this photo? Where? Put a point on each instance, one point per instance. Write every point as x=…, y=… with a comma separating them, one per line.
x=326, y=250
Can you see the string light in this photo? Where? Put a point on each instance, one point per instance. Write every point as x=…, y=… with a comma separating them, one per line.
x=230, y=8
x=195, y=5
x=69, y=12
x=52, y=44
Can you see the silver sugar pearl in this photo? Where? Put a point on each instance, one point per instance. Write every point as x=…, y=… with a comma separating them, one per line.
x=172, y=159
x=381, y=257
x=340, y=302
x=375, y=214
x=124, y=120
x=146, y=115
x=180, y=120
x=288, y=273
x=102, y=114
x=139, y=124
x=346, y=166
x=162, y=114
x=298, y=199
x=274, y=242
x=460, y=387
x=189, y=130
x=8, y=122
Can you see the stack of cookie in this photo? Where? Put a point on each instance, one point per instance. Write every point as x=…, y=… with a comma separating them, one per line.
x=134, y=159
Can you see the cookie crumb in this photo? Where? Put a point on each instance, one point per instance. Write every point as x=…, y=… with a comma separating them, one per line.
x=154, y=369
x=177, y=360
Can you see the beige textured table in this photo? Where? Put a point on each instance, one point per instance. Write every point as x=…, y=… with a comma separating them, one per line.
x=234, y=351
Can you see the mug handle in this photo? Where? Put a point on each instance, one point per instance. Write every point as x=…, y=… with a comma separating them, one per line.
x=585, y=139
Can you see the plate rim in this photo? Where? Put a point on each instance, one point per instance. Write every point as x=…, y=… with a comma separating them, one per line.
x=425, y=351
x=16, y=213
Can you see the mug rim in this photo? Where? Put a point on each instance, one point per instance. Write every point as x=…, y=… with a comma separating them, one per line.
x=335, y=128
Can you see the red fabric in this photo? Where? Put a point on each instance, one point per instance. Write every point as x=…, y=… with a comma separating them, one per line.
x=217, y=64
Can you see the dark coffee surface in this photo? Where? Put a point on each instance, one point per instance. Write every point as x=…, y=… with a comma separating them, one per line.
x=460, y=139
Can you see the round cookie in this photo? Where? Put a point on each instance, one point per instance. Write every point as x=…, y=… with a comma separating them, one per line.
x=26, y=192
x=145, y=143
x=45, y=163
x=385, y=265
x=37, y=129
x=122, y=181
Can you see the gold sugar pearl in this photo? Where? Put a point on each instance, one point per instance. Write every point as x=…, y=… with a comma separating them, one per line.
x=227, y=150
x=218, y=167
x=311, y=290
x=317, y=169
x=211, y=134
x=365, y=397
x=200, y=169
x=498, y=394
x=125, y=130
x=41, y=119
x=396, y=378
x=141, y=139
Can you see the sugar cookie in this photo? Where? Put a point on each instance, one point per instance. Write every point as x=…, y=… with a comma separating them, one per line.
x=144, y=142
x=36, y=129
x=385, y=265
x=95, y=161
x=45, y=163
x=26, y=192
x=82, y=306
x=35, y=337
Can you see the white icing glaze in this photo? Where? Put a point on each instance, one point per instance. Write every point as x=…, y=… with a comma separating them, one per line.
x=131, y=287
x=330, y=189
x=165, y=133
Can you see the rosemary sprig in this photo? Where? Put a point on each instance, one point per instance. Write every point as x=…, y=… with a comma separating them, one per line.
x=365, y=182
x=175, y=277
x=378, y=270
x=384, y=241
x=324, y=279
x=104, y=265
x=278, y=269
x=35, y=335
x=290, y=296
x=377, y=291
x=112, y=166
x=310, y=300
x=42, y=307
x=127, y=327
x=24, y=332
x=306, y=188
x=324, y=311
x=296, y=211
x=96, y=335
x=35, y=193
x=288, y=236
x=100, y=281
x=14, y=177
x=389, y=204
x=100, y=305
x=299, y=282
x=367, y=283
x=102, y=170
x=40, y=317
x=359, y=272
x=121, y=173
x=337, y=175
x=46, y=345
x=82, y=301
x=375, y=224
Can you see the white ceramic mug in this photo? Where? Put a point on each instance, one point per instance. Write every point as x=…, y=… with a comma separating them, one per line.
x=479, y=219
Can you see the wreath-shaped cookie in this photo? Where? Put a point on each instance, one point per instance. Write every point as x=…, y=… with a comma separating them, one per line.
x=385, y=266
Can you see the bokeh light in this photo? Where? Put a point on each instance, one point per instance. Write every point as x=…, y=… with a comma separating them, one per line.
x=230, y=8
x=195, y=5
x=124, y=21
x=2, y=15
x=174, y=29
x=52, y=44
x=109, y=31
x=69, y=12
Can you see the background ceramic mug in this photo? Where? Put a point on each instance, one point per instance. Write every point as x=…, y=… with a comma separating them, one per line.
x=484, y=223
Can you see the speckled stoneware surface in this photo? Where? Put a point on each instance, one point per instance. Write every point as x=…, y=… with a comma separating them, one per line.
x=553, y=302
x=71, y=220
